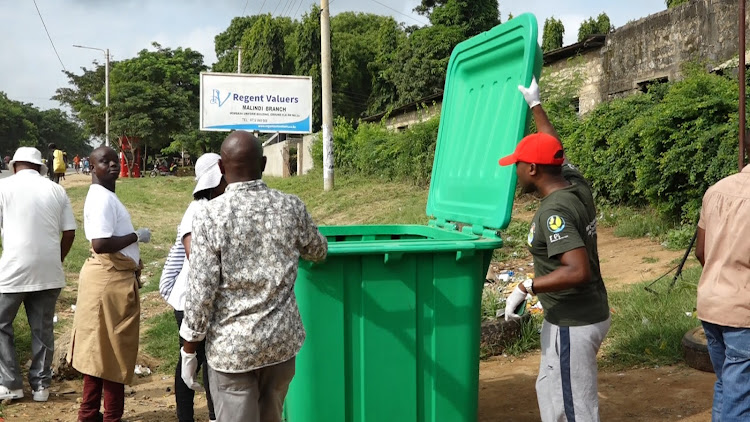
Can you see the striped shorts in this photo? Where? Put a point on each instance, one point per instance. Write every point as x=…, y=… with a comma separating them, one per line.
x=567, y=388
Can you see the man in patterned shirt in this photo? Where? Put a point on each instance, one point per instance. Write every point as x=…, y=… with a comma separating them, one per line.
x=245, y=249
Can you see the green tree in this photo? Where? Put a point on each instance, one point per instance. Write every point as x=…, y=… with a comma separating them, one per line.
x=472, y=16
x=384, y=94
x=590, y=27
x=354, y=43
x=22, y=124
x=423, y=60
x=155, y=95
x=554, y=31
x=674, y=3
x=264, y=45
x=307, y=57
x=86, y=97
x=226, y=43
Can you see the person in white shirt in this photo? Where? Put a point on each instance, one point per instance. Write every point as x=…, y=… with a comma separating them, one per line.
x=33, y=213
x=104, y=341
x=209, y=184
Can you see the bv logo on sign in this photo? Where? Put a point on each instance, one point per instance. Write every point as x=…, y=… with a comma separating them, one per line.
x=216, y=97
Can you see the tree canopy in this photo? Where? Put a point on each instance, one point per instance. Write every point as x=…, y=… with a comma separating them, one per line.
x=674, y=3
x=22, y=124
x=552, y=37
x=591, y=26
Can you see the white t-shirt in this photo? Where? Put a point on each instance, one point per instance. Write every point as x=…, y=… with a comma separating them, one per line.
x=177, y=297
x=104, y=216
x=34, y=211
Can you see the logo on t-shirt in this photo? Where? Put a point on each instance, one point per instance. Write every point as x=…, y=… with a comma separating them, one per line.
x=530, y=237
x=555, y=224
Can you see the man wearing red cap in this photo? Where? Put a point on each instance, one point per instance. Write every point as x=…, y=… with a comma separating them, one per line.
x=568, y=282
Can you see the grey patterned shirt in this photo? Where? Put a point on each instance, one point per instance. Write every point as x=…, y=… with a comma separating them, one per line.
x=246, y=245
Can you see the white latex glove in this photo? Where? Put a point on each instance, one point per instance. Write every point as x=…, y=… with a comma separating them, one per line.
x=144, y=235
x=531, y=94
x=189, y=369
x=515, y=299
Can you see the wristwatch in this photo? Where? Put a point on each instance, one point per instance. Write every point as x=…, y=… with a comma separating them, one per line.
x=528, y=284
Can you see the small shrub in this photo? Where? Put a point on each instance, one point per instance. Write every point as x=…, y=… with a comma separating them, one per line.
x=679, y=239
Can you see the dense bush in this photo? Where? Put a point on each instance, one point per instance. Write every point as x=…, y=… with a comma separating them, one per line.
x=664, y=148
x=373, y=150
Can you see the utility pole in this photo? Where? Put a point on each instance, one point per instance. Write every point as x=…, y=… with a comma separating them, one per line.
x=239, y=59
x=106, y=89
x=325, y=54
x=106, y=98
x=741, y=159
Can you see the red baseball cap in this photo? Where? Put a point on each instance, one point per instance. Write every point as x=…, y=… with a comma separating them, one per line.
x=538, y=148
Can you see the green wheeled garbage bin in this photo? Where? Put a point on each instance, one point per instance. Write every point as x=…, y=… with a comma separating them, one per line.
x=393, y=315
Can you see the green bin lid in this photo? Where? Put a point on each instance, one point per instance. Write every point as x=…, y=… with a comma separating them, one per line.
x=483, y=117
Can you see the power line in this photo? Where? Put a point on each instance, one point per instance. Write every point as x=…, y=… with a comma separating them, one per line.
x=277, y=6
x=298, y=6
x=245, y=8
x=286, y=6
x=48, y=36
x=261, y=7
x=402, y=14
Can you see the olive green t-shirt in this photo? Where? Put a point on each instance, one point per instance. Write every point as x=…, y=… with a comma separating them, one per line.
x=566, y=220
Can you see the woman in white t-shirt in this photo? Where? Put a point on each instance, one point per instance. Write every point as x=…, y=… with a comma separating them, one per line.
x=104, y=343
x=209, y=184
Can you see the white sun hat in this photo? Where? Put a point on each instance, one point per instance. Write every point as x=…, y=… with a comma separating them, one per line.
x=28, y=155
x=207, y=172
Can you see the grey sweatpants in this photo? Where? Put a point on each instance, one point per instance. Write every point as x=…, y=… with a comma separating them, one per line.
x=255, y=396
x=567, y=388
x=40, y=311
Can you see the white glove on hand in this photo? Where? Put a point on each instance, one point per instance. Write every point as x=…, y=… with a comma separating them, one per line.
x=189, y=369
x=531, y=94
x=144, y=235
x=515, y=299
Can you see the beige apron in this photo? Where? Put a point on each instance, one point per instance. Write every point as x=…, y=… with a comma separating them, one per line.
x=104, y=342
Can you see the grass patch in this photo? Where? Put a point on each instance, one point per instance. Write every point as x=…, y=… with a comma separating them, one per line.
x=649, y=260
x=161, y=341
x=647, y=329
x=530, y=337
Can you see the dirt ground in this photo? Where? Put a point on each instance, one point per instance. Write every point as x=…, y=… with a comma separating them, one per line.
x=506, y=390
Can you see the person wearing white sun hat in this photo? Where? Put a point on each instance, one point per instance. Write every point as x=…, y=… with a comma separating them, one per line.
x=34, y=211
x=209, y=184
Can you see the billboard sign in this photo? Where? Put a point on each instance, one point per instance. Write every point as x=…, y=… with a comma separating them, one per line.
x=263, y=103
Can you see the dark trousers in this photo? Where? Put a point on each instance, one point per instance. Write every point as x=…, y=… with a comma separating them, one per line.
x=114, y=400
x=184, y=396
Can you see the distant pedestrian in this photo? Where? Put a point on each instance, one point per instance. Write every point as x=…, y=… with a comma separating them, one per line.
x=76, y=163
x=57, y=158
x=104, y=342
x=722, y=247
x=209, y=184
x=33, y=214
x=245, y=249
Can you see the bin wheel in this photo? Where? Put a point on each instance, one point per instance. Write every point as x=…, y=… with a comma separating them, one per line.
x=695, y=350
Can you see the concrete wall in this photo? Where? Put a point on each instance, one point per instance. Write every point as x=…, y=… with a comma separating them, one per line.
x=304, y=154
x=586, y=69
x=655, y=47
x=277, y=156
x=401, y=121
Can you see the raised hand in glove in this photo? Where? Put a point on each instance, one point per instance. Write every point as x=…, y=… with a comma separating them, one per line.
x=515, y=299
x=189, y=364
x=144, y=235
x=531, y=94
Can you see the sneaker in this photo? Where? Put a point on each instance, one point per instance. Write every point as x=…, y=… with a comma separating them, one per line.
x=42, y=394
x=8, y=394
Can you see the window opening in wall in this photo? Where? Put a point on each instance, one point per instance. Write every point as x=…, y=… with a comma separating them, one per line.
x=577, y=104
x=645, y=85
